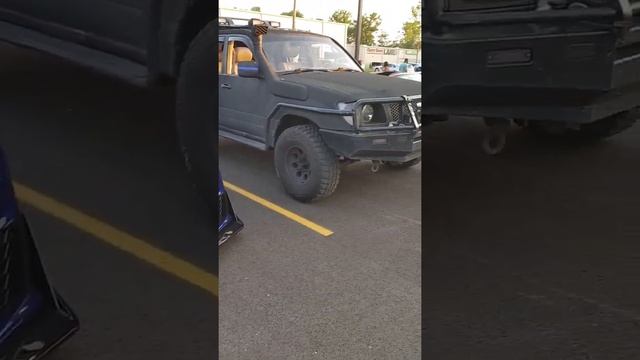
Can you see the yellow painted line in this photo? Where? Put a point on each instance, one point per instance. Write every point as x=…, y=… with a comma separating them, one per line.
x=141, y=249
x=280, y=210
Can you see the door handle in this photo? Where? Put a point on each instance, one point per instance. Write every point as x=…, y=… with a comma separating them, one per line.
x=226, y=86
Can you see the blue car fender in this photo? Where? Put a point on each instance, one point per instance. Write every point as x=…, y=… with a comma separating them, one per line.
x=34, y=319
x=228, y=222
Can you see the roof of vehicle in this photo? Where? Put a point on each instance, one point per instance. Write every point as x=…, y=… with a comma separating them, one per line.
x=246, y=30
x=226, y=26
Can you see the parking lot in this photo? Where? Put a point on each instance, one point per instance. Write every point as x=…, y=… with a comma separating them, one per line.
x=530, y=255
x=339, y=278
x=533, y=254
x=288, y=292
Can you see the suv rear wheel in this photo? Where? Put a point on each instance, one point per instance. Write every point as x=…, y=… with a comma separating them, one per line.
x=308, y=169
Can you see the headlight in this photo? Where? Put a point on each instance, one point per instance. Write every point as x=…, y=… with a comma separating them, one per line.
x=387, y=114
x=372, y=115
x=366, y=115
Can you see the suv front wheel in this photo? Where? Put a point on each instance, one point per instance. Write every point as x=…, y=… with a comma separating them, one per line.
x=308, y=169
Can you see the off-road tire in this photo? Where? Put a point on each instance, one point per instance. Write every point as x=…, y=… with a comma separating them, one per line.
x=324, y=169
x=196, y=113
x=397, y=165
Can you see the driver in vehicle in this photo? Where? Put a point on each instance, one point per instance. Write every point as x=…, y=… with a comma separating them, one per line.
x=291, y=56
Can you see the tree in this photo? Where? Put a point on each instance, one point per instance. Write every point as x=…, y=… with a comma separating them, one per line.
x=290, y=13
x=341, y=16
x=370, y=25
x=412, y=30
x=256, y=8
x=344, y=17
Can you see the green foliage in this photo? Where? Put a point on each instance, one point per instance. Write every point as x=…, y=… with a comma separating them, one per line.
x=290, y=13
x=341, y=16
x=344, y=17
x=370, y=25
x=256, y=8
x=412, y=30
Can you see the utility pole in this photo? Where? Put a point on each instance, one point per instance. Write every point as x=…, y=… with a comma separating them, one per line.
x=295, y=11
x=358, y=31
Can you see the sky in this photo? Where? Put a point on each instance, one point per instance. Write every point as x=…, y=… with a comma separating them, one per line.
x=393, y=12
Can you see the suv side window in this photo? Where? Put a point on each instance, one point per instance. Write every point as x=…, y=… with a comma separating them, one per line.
x=237, y=51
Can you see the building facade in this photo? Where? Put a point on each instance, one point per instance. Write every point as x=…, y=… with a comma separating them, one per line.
x=370, y=54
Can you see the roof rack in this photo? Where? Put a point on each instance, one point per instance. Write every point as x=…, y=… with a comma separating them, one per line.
x=243, y=22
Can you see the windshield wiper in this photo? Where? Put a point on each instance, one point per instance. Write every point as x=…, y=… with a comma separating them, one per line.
x=301, y=70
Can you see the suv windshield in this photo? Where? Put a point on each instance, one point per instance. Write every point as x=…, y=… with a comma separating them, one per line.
x=306, y=52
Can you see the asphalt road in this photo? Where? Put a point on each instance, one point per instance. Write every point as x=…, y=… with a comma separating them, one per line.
x=534, y=254
x=108, y=150
x=287, y=292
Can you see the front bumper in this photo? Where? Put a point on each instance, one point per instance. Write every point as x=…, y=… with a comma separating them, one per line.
x=382, y=145
x=34, y=319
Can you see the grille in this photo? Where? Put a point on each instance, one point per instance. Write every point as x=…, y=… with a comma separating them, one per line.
x=398, y=113
x=395, y=112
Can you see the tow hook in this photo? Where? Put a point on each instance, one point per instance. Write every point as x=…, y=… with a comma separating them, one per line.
x=495, y=138
x=375, y=166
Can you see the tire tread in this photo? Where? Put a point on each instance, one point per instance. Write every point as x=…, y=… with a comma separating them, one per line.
x=330, y=170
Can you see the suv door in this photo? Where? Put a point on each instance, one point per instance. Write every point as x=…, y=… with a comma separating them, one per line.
x=242, y=100
x=482, y=53
x=116, y=26
x=125, y=22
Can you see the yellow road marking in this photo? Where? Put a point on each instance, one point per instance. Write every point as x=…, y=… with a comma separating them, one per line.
x=161, y=259
x=280, y=210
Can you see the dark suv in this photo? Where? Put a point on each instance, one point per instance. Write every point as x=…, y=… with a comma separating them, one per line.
x=561, y=68
x=145, y=42
x=304, y=96
x=152, y=41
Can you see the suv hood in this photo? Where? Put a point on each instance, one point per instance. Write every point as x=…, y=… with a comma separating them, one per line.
x=353, y=86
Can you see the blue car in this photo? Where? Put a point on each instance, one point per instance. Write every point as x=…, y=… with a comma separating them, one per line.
x=228, y=222
x=34, y=319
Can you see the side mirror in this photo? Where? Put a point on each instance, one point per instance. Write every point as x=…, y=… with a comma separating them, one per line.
x=248, y=69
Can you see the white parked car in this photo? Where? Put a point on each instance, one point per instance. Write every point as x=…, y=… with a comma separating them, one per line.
x=415, y=76
x=377, y=67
